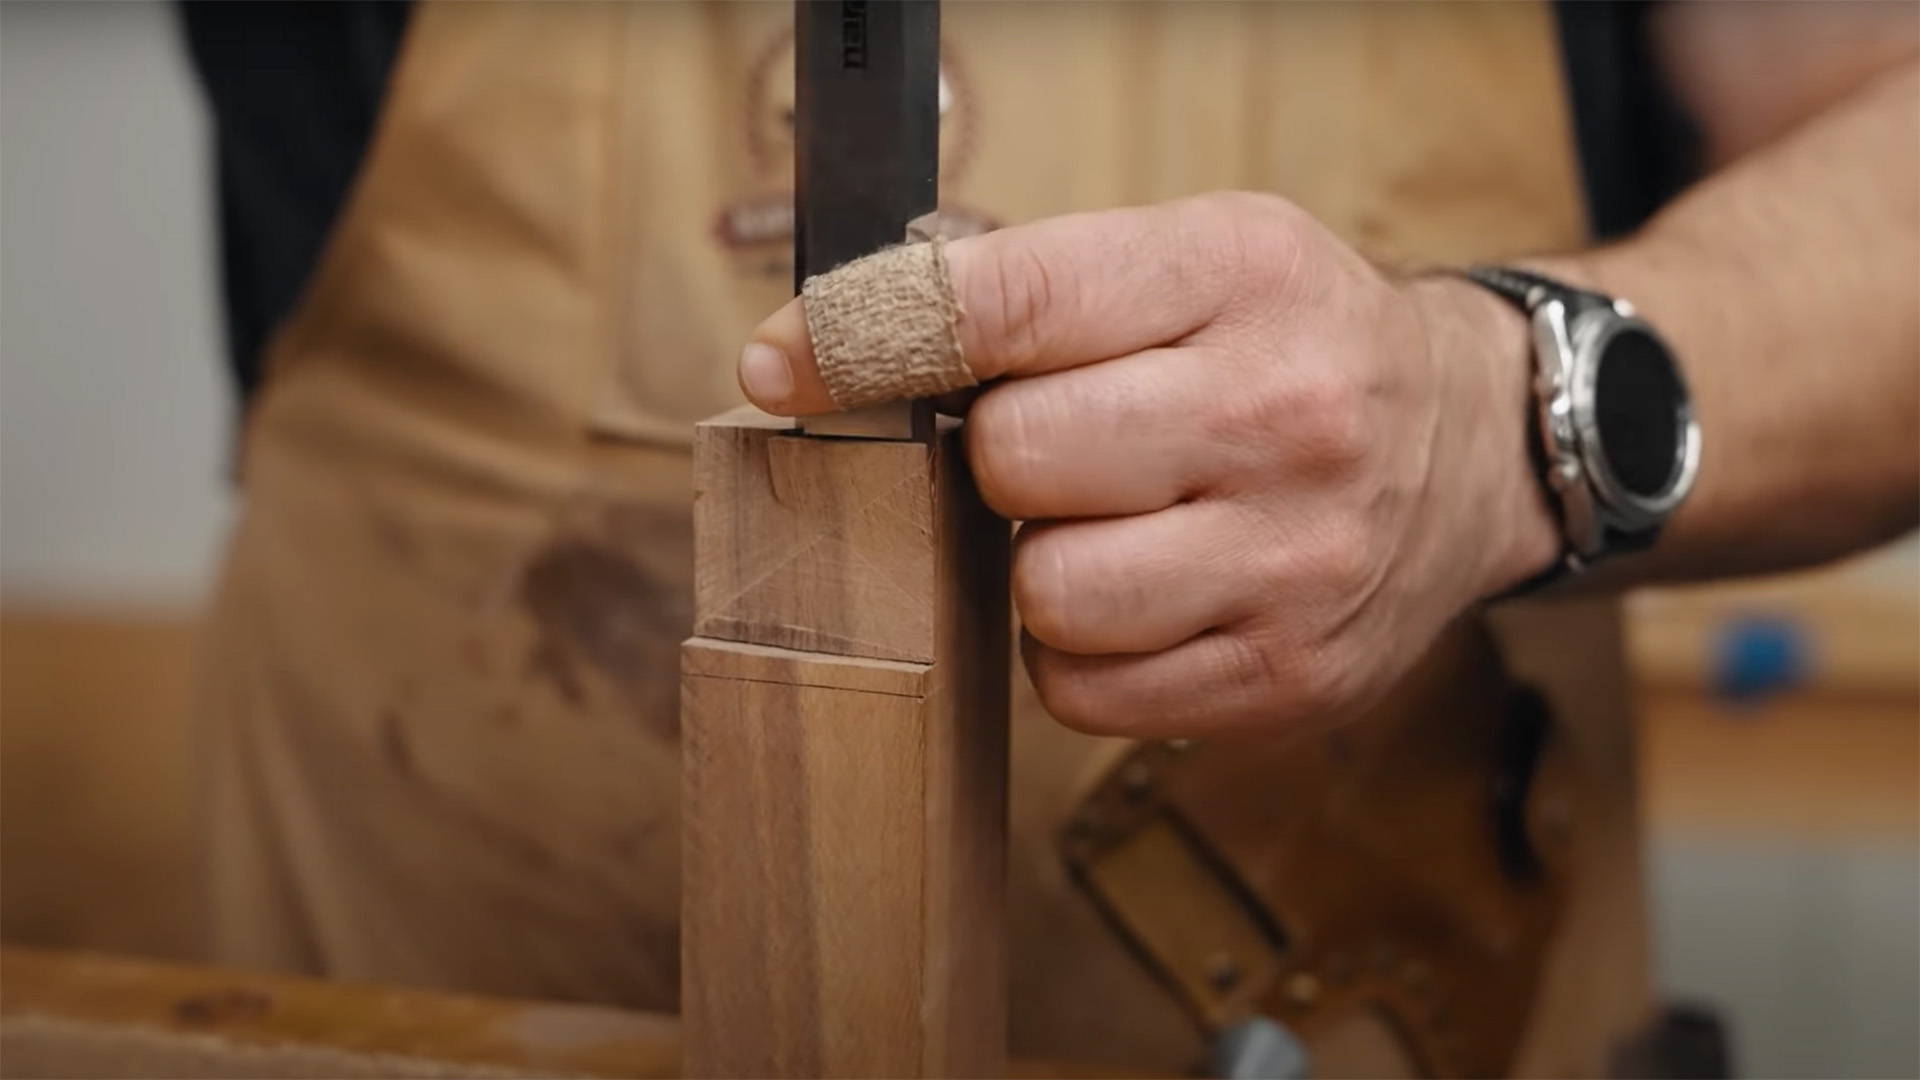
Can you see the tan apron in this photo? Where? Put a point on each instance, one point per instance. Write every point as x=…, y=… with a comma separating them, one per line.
x=440, y=701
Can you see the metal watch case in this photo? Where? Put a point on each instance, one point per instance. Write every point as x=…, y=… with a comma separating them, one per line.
x=1568, y=345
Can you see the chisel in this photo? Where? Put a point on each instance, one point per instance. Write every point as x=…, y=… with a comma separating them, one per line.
x=867, y=154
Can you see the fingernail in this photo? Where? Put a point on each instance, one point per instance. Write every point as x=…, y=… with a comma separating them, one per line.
x=765, y=374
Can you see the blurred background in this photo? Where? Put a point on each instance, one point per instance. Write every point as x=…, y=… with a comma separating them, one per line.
x=1781, y=739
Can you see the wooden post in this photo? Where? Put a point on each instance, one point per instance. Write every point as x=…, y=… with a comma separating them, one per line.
x=844, y=730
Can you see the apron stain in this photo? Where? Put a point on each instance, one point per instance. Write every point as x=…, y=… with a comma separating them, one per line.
x=600, y=609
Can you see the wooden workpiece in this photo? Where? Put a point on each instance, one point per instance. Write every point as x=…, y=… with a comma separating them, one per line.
x=92, y=1015
x=844, y=732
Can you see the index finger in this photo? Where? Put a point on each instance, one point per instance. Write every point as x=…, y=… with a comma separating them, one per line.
x=1034, y=298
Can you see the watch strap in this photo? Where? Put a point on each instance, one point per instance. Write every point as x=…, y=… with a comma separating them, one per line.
x=1526, y=290
x=1565, y=565
x=1570, y=563
x=1520, y=287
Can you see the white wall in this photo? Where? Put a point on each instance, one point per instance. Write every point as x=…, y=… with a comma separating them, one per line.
x=114, y=410
x=1807, y=945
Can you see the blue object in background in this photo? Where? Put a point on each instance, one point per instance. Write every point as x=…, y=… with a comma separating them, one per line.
x=1756, y=657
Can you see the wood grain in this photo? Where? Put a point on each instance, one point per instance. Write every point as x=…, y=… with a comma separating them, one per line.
x=844, y=747
x=816, y=544
x=797, y=878
x=76, y=1014
x=91, y=1015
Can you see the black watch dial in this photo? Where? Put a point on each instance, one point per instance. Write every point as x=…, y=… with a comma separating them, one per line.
x=1639, y=405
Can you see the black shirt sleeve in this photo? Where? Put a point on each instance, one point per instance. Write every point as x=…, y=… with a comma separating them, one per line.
x=1638, y=148
x=293, y=89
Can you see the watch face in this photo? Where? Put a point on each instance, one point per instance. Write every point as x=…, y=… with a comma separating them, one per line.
x=1639, y=407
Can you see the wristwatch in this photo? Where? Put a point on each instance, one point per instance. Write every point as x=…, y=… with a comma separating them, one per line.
x=1614, y=435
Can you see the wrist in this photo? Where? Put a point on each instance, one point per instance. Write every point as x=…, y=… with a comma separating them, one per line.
x=1483, y=346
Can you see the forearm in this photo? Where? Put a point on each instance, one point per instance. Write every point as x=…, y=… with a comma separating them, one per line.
x=1788, y=285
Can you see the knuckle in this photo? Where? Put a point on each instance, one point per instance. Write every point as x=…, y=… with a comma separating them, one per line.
x=1326, y=424
x=1217, y=244
x=1296, y=684
x=1341, y=562
x=1245, y=420
x=1315, y=425
x=1027, y=292
x=1258, y=232
x=1245, y=665
x=1330, y=556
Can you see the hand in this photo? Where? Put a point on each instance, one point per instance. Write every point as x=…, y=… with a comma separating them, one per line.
x=1258, y=476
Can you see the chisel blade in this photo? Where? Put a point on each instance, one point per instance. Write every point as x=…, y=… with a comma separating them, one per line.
x=867, y=154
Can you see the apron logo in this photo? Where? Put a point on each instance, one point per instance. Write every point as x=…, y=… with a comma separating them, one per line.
x=765, y=219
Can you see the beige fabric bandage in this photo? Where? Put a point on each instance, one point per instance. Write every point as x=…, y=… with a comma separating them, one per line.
x=885, y=326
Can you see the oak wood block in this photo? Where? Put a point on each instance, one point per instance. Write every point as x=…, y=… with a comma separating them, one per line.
x=844, y=739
